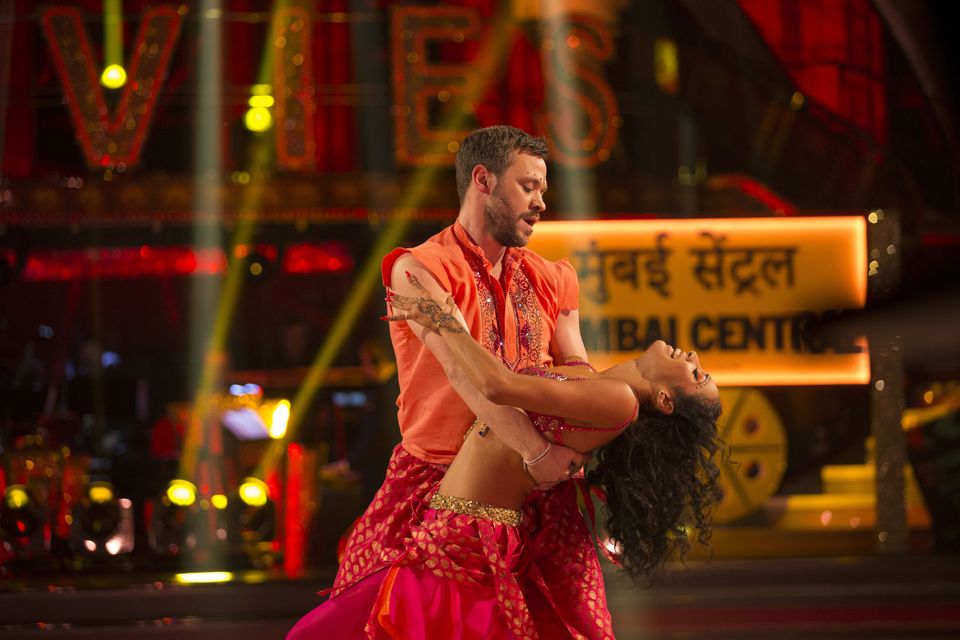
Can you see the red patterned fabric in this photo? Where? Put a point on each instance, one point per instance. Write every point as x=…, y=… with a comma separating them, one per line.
x=455, y=581
x=379, y=537
x=561, y=581
x=546, y=584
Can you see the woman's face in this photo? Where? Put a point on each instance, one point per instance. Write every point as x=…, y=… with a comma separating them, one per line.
x=665, y=365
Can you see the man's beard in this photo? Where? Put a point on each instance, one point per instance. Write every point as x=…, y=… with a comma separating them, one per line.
x=501, y=223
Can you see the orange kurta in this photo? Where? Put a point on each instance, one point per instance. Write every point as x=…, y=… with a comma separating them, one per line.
x=515, y=323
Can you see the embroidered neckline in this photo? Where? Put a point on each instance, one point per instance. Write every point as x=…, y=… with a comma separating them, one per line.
x=523, y=300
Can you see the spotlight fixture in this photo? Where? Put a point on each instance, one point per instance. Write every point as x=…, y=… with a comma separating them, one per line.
x=102, y=523
x=22, y=522
x=174, y=519
x=254, y=492
x=114, y=76
x=258, y=117
x=255, y=517
x=279, y=418
x=182, y=493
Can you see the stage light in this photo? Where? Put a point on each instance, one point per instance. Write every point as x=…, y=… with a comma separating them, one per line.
x=99, y=511
x=254, y=492
x=182, y=493
x=279, y=420
x=18, y=517
x=258, y=119
x=16, y=496
x=219, y=501
x=114, y=76
x=102, y=523
x=249, y=389
x=22, y=521
x=261, y=101
x=173, y=526
x=100, y=492
x=666, y=65
x=203, y=577
x=312, y=257
x=255, y=517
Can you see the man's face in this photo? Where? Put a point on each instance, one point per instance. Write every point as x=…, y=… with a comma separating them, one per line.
x=516, y=202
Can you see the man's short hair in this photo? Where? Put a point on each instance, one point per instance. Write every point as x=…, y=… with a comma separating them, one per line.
x=492, y=147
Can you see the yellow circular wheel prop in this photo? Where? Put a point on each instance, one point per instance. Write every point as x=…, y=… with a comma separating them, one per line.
x=758, y=453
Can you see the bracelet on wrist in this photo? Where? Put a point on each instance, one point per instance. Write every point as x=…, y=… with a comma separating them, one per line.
x=540, y=457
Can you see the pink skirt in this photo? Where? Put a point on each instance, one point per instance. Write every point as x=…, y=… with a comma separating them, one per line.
x=456, y=580
x=558, y=569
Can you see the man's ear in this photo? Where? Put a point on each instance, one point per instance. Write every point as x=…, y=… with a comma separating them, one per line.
x=664, y=402
x=482, y=179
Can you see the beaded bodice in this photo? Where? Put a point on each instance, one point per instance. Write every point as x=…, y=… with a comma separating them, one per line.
x=554, y=424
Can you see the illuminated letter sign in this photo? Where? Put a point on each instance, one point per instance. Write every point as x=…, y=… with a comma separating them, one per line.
x=582, y=112
x=294, y=87
x=416, y=83
x=581, y=108
x=111, y=141
x=741, y=292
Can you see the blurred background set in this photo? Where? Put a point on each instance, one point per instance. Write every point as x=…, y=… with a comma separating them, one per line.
x=195, y=198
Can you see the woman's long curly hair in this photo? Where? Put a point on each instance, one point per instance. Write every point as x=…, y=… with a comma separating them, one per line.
x=660, y=478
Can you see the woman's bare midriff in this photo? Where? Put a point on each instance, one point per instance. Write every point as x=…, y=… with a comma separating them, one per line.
x=489, y=471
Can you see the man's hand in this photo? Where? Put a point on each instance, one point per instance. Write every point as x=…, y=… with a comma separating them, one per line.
x=561, y=463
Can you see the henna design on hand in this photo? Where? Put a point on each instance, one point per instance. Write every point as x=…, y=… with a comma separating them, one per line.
x=441, y=318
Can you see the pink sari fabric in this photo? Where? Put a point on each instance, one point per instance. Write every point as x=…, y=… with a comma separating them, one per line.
x=558, y=572
x=563, y=581
x=380, y=535
x=342, y=618
x=455, y=581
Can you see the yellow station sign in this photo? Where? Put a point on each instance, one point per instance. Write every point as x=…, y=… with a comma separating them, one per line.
x=743, y=293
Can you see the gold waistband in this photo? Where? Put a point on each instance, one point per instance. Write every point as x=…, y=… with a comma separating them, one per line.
x=476, y=509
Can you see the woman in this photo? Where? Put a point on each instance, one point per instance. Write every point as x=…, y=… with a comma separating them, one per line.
x=458, y=578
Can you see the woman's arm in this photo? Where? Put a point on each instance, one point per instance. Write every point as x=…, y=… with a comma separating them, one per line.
x=601, y=402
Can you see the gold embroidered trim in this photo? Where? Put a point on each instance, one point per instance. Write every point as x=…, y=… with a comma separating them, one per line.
x=476, y=509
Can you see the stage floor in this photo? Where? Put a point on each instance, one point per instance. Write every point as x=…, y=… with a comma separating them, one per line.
x=860, y=598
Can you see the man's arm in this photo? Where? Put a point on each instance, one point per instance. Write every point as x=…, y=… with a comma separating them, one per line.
x=511, y=425
x=567, y=343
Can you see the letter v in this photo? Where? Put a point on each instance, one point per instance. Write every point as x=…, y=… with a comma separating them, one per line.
x=109, y=141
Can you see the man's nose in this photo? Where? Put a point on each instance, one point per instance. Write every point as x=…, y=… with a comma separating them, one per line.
x=538, y=203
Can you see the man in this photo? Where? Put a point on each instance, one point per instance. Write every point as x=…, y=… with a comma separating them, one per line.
x=523, y=309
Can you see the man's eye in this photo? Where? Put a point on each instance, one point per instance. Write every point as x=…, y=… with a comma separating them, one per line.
x=696, y=375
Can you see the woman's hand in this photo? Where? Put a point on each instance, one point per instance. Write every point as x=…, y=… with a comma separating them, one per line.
x=424, y=310
x=560, y=463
